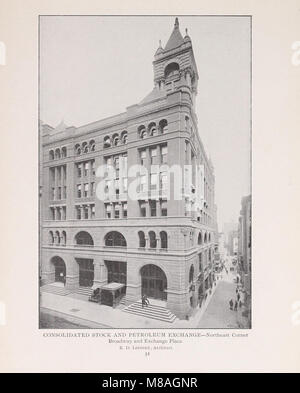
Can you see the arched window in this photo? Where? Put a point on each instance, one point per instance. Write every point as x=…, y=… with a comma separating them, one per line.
x=115, y=239
x=51, y=155
x=57, y=238
x=200, y=239
x=152, y=130
x=142, y=132
x=171, y=70
x=107, y=142
x=77, y=149
x=124, y=137
x=92, y=145
x=152, y=239
x=142, y=239
x=64, y=238
x=115, y=139
x=51, y=238
x=163, y=126
x=84, y=239
x=163, y=239
x=186, y=123
x=64, y=152
x=191, y=274
x=85, y=148
x=57, y=153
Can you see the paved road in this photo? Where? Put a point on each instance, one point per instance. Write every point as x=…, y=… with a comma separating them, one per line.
x=218, y=315
x=50, y=319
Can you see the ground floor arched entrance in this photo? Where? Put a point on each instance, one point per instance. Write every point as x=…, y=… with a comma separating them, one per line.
x=154, y=282
x=59, y=269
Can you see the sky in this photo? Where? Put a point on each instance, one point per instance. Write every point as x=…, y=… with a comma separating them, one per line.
x=92, y=67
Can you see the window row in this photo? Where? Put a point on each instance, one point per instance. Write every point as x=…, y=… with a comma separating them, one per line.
x=153, y=208
x=154, y=155
x=153, y=240
x=153, y=129
x=84, y=147
x=116, y=210
x=85, y=190
x=58, y=213
x=57, y=238
x=112, y=239
x=115, y=140
x=85, y=169
x=85, y=212
x=59, y=152
x=206, y=238
x=58, y=193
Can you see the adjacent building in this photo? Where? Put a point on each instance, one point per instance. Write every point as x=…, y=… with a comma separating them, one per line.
x=244, y=253
x=155, y=243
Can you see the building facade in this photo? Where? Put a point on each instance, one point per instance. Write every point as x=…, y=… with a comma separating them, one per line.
x=244, y=253
x=156, y=243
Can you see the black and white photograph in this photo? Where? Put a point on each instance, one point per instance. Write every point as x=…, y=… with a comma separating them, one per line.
x=145, y=172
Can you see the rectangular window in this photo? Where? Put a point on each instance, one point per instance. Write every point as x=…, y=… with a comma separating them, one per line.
x=164, y=210
x=143, y=183
x=142, y=210
x=143, y=157
x=92, y=188
x=86, y=190
x=117, y=211
x=86, y=169
x=78, y=190
x=108, y=211
x=92, y=211
x=85, y=212
x=125, y=210
x=164, y=154
x=153, y=154
x=52, y=213
x=64, y=192
x=79, y=171
x=52, y=193
x=152, y=208
x=153, y=181
x=163, y=181
x=78, y=213
x=93, y=168
x=125, y=184
x=59, y=193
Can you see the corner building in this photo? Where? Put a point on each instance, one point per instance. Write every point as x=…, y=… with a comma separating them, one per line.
x=163, y=247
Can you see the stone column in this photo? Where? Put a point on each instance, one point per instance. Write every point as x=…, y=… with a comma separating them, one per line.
x=72, y=273
x=100, y=273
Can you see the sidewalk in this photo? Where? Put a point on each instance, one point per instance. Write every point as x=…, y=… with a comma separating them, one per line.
x=114, y=318
x=218, y=314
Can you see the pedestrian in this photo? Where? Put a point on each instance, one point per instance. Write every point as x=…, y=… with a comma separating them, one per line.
x=145, y=301
x=238, y=297
x=240, y=304
x=237, y=279
x=235, y=306
x=231, y=304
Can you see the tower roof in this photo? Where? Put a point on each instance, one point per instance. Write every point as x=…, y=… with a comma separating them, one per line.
x=176, y=38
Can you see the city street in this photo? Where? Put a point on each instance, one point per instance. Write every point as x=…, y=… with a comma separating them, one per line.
x=218, y=314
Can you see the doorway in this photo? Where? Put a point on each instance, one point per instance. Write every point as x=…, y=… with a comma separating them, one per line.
x=154, y=282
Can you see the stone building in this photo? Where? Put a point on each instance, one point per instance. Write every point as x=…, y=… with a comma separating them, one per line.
x=157, y=244
x=244, y=253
